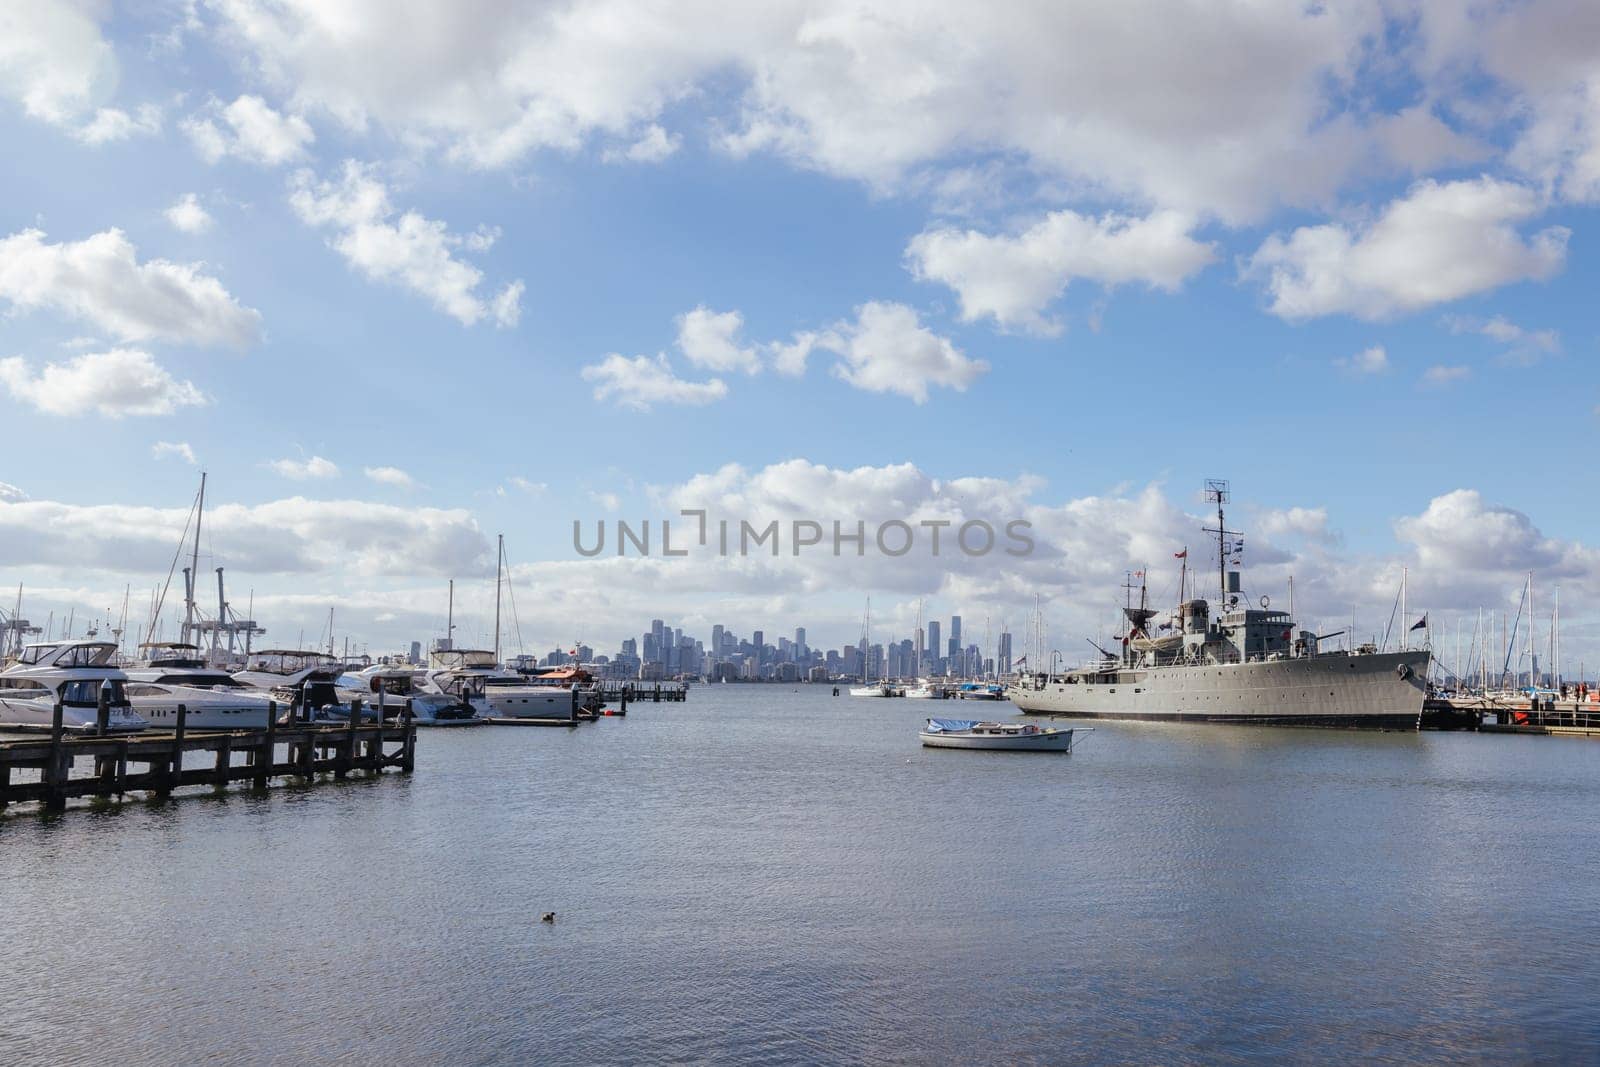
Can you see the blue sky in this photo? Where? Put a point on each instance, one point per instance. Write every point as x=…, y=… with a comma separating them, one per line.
x=1340, y=258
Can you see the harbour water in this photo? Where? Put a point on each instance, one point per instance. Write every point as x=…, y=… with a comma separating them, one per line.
x=769, y=875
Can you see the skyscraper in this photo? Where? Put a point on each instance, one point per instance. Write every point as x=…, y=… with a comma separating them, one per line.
x=933, y=640
x=716, y=643
x=1005, y=653
x=955, y=634
x=800, y=650
x=916, y=652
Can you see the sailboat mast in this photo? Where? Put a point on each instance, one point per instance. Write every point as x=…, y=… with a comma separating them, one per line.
x=1533, y=649
x=500, y=555
x=194, y=561
x=1555, y=644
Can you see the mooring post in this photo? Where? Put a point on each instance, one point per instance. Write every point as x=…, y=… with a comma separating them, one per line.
x=177, y=745
x=267, y=756
x=55, y=799
x=224, y=762
x=624, y=700
x=102, y=710
x=349, y=760
x=408, y=742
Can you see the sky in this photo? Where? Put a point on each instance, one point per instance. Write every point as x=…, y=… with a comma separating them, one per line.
x=402, y=277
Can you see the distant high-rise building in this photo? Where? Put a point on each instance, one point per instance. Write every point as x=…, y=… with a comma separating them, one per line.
x=917, y=649
x=955, y=634
x=716, y=643
x=416, y=652
x=1005, y=653
x=933, y=640
x=758, y=639
x=800, y=650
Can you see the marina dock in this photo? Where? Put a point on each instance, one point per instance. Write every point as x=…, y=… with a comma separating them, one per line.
x=154, y=762
x=1553, y=718
x=629, y=692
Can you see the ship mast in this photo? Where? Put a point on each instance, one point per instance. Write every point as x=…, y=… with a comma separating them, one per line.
x=1217, y=493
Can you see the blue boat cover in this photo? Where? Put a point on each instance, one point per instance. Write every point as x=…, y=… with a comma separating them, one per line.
x=950, y=726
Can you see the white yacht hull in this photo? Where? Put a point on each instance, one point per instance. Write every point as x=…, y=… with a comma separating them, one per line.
x=1379, y=691
x=203, y=709
x=35, y=716
x=530, y=703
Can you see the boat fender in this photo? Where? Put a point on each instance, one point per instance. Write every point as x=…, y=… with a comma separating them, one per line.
x=375, y=684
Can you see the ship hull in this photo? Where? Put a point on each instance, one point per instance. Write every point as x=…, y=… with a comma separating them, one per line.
x=1384, y=691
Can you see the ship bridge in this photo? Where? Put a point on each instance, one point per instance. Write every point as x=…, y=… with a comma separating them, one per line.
x=1255, y=633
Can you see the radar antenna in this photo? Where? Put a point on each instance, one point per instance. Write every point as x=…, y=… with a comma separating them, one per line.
x=1217, y=493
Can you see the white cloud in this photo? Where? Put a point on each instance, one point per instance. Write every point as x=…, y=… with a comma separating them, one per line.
x=1539, y=55
x=1459, y=533
x=294, y=536
x=251, y=130
x=532, y=488
x=790, y=359
x=888, y=350
x=608, y=501
x=122, y=381
x=187, y=215
x=1014, y=278
x=181, y=449
x=1308, y=523
x=113, y=124
x=642, y=382
x=100, y=280
x=1442, y=374
x=710, y=339
x=53, y=59
x=407, y=250
x=301, y=470
x=390, y=476
x=1440, y=242
x=1374, y=360
x=1523, y=347
x=1188, y=106
x=9, y=492
x=652, y=146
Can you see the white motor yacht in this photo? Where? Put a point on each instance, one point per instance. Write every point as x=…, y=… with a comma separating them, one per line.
x=73, y=674
x=174, y=673
x=473, y=676
x=303, y=681
x=389, y=687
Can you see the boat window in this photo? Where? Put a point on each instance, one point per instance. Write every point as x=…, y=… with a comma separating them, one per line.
x=20, y=683
x=35, y=653
x=87, y=692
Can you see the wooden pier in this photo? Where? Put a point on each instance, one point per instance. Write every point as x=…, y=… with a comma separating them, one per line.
x=633, y=692
x=154, y=762
x=1564, y=718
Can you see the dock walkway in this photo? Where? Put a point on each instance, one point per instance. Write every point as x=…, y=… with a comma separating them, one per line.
x=154, y=762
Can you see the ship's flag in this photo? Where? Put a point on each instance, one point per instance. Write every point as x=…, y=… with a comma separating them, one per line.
x=1420, y=624
x=1181, y=555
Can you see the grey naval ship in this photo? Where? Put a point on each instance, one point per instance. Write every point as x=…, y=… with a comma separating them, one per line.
x=1243, y=665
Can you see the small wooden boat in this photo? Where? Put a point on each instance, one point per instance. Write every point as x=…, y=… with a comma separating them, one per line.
x=1004, y=736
